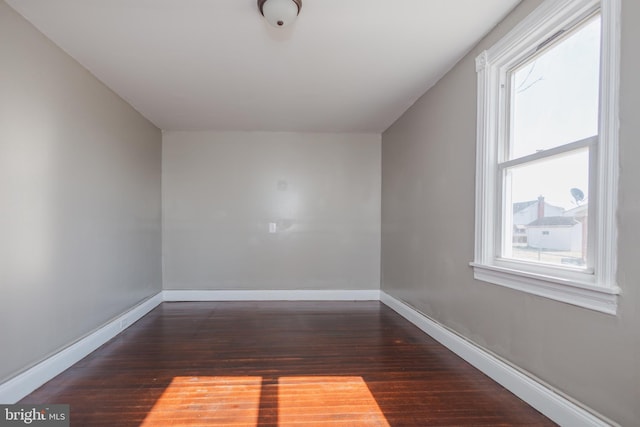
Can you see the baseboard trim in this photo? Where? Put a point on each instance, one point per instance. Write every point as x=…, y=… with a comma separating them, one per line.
x=272, y=295
x=21, y=385
x=553, y=405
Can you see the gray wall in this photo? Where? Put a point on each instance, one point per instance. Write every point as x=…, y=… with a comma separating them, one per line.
x=79, y=199
x=221, y=191
x=428, y=162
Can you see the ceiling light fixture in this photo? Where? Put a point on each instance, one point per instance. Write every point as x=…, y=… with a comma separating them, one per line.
x=280, y=13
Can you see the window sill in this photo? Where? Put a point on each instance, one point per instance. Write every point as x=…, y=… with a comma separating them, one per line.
x=572, y=292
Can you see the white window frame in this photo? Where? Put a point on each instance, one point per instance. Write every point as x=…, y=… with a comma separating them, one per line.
x=594, y=289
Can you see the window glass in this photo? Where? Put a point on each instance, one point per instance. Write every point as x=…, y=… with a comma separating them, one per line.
x=555, y=94
x=547, y=210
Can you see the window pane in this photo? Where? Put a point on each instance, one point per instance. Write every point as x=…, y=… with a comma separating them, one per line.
x=555, y=94
x=546, y=217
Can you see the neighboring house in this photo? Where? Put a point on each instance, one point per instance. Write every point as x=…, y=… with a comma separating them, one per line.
x=559, y=233
x=539, y=225
x=525, y=213
x=580, y=214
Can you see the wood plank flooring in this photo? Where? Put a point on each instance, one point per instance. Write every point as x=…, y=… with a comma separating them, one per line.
x=279, y=364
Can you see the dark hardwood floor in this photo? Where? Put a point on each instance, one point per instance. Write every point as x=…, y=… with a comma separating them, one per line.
x=279, y=364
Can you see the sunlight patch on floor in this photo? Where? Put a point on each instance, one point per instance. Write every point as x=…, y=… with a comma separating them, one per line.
x=238, y=401
x=327, y=401
x=210, y=401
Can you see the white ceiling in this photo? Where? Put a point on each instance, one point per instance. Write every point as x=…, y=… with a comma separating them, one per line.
x=344, y=66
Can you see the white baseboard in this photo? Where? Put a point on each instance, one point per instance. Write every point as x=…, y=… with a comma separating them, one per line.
x=551, y=404
x=547, y=401
x=272, y=295
x=21, y=385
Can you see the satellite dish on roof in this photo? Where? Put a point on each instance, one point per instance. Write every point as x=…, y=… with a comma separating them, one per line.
x=578, y=195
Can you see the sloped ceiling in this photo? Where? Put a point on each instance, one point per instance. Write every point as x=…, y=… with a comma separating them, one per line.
x=343, y=66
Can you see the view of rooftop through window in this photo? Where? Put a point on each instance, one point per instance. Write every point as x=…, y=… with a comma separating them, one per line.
x=554, y=102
